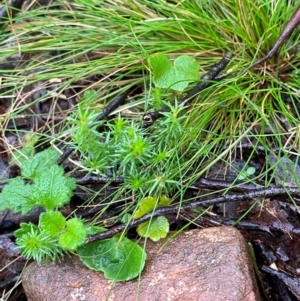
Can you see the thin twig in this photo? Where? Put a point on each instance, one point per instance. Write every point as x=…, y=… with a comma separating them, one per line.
x=287, y=31
x=206, y=78
x=116, y=102
x=89, y=179
x=213, y=184
x=269, y=192
x=67, y=152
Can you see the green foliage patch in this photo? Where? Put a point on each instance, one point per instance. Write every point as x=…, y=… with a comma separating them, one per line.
x=183, y=145
x=50, y=188
x=119, y=258
x=154, y=229
x=177, y=76
x=158, y=227
x=43, y=183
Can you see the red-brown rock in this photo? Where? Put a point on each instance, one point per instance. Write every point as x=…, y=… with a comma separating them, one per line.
x=211, y=265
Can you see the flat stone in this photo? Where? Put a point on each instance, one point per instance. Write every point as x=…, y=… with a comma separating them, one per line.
x=211, y=264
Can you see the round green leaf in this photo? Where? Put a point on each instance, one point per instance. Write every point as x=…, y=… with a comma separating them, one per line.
x=146, y=205
x=155, y=229
x=161, y=66
x=52, y=222
x=242, y=176
x=119, y=259
x=251, y=171
x=74, y=235
x=176, y=77
x=164, y=201
x=126, y=218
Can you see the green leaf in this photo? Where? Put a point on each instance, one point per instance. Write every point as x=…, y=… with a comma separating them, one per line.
x=176, y=77
x=74, y=234
x=19, y=157
x=161, y=66
x=126, y=218
x=26, y=228
x=52, y=188
x=39, y=163
x=17, y=196
x=250, y=171
x=155, y=229
x=148, y=204
x=120, y=260
x=164, y=201
x=242, y=176
x=52, y=223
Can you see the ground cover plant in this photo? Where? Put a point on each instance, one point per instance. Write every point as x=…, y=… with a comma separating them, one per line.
x=131, y=99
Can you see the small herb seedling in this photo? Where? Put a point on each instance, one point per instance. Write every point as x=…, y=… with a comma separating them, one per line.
x=250, y=171
x=156, y=228
x=43, y=183
x=176, y=77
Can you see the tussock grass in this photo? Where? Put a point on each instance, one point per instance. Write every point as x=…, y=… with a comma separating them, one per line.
x=69, y=41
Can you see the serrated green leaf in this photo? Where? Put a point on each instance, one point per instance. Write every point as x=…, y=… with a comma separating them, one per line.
x=17, y=196
x=52, y=223
x=155, y=229
x=39, y=163
x=53, y=189
x=74, y=235
x=120, y=260
x=19, y=157
x=176, y=77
